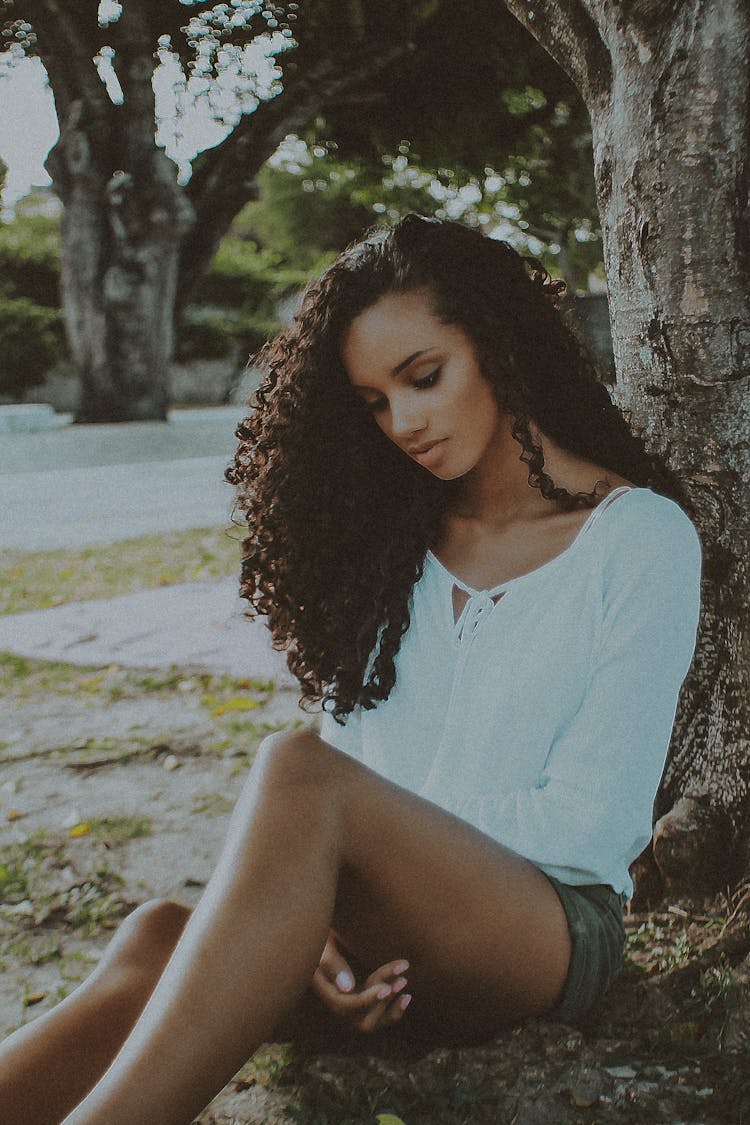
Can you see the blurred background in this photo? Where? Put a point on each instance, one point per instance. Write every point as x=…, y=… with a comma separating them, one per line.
x=268, y=137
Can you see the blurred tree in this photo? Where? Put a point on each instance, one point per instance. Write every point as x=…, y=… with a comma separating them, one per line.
x=136, y=242
x=666, y=86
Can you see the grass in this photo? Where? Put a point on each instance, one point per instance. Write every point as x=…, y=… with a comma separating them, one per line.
x=23, y=677
x=114, y=830
x=18, y=862
x=212, y=804
x=42, y=579
x=89, y=903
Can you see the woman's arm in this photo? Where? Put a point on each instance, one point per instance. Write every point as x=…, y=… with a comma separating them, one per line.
x=595, y=795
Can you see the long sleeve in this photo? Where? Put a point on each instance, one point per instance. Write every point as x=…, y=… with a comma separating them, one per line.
x=595, y=795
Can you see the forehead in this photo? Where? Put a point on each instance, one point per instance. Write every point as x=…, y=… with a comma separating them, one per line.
x=386, y=333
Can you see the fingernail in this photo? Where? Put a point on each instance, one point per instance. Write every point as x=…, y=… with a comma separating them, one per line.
x=399, y=984
x=345, y=981
x=405, y=1001
x=384, y=992
x=400, y=967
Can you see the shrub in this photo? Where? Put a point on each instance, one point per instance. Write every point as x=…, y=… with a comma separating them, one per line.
x=211, y=333
x=30, y=259
x=242, y=276
x=31, y=340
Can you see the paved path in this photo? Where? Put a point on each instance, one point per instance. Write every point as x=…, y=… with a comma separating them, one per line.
x=83, y=485
x=198, y=624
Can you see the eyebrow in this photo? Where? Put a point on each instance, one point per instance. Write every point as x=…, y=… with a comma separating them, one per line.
x=397, y=369
x=409, y=359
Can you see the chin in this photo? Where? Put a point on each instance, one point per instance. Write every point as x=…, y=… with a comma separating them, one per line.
x=447, y=473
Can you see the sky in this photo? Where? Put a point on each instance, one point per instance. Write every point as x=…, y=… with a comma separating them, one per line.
x=28, y=127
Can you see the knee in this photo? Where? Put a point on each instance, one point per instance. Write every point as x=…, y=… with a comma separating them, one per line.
x=293, y=758
x=146, y=939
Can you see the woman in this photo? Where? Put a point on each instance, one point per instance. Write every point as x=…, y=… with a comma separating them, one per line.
x=477, y=568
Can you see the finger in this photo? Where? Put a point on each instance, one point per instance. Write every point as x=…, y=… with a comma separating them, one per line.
x=351, y=1004
x=396, y=1008
x=385, y=1013
x=372, y=1019
x=336, y=967
x=388, y=972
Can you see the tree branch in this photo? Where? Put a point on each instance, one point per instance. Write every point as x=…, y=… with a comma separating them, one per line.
x=569, y=34
x=134, y=63
x=67, y=40
x=224, y=177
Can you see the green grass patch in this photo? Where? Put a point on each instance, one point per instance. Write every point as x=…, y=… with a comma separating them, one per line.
x=22, y=677
x=42, y=579
x=18, y=864
x=114, y=830
x=212, y=804
x=90, y=899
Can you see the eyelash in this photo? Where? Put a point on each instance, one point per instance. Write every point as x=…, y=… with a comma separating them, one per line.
x=423, y=384
x=427, y=380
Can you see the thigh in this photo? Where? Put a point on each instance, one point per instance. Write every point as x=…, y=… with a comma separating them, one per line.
x=483, y=929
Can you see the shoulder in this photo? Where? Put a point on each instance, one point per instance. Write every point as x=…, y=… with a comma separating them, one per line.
x=648, y=542
x=645, y=520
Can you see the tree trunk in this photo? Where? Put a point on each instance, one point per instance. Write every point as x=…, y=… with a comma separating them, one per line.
x=121, y=243
x=668, y=99
x=672, y=172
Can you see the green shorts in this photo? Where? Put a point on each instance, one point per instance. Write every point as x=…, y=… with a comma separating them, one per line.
x=597, y=934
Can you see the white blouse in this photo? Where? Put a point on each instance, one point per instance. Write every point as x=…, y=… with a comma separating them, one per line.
x=542, y=715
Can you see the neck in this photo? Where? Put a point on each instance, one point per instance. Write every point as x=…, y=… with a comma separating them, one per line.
x=497, y=488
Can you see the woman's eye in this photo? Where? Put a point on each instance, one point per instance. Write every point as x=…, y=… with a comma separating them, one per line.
x=427, y=380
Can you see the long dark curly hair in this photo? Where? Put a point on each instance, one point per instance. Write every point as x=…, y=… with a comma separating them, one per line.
x=339, y=519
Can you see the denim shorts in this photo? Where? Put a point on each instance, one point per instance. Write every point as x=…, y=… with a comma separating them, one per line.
x=597, y=935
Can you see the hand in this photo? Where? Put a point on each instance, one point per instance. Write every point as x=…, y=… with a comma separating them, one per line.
x=379, y=1002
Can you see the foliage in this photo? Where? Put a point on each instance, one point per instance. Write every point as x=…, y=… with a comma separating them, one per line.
x=30, y=258
x=439, y=105
x=235, y=307
x=312, y=203
x=30, y=342
x=460, y=87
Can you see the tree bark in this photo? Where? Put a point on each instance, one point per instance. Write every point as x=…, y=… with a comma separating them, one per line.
x=121, y=236
x=671, y=132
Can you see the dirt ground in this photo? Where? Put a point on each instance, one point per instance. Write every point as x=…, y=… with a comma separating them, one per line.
x=116, y=786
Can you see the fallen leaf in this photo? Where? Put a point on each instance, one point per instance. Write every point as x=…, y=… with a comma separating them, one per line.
x=34, y=998
x=238, y=703
x=14, y=814
x=79, y=830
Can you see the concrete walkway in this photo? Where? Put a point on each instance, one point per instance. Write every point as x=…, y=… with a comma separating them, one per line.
x=81, y=485
x=100, y=484
x=197, y=625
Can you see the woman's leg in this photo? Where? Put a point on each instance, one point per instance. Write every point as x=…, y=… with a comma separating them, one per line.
x=316, y=834
x=47, y=1066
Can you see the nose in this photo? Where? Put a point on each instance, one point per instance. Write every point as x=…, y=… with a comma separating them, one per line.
x=407, y=416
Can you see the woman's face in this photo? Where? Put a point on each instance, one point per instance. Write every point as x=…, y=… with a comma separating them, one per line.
x=422, y=382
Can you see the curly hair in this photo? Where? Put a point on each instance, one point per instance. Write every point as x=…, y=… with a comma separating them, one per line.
x=339, y=520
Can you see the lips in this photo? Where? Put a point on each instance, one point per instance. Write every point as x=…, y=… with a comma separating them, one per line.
x=415, y=450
